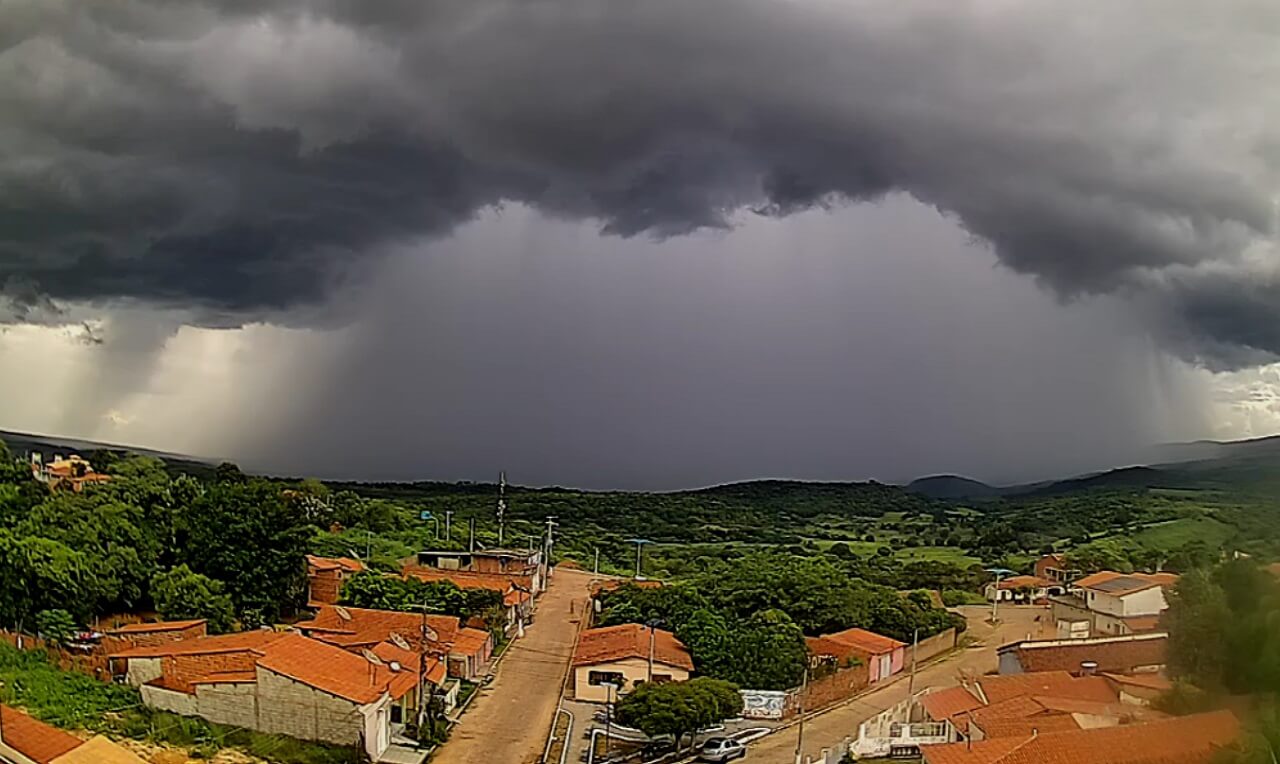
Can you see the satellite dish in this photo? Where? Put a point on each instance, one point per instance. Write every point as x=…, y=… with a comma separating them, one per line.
x=370, y=656
x=430, y=634
x=394, y=666
x=399, y=641
x=342, y=613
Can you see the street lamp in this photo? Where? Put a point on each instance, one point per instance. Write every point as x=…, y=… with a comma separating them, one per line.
x=995, y=597
x=610, y=688
x=653, y=628
x=639, y=546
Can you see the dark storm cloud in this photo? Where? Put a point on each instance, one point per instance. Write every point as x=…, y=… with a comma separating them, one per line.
x=240, y=159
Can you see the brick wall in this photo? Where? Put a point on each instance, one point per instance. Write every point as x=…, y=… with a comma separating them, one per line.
x=179, y=670
x=325, y=586
x=843, y=684
x=122, y=642
x=93, y=664
x=289, y=708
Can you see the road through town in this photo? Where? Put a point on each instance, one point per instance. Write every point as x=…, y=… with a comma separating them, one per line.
x=826, y=730
x=510, y=720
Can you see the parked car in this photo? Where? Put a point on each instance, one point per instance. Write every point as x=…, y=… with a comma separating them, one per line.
x=720, y=749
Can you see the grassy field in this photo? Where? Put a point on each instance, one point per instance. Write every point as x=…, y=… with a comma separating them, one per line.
x=1184, y=531
x=950, y=554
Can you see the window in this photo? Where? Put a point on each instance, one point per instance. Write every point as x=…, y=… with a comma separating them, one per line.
x=661, y=678
x=597, y=678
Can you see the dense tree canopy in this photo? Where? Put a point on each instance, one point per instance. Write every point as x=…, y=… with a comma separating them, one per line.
x=181, y=593
x=678, y=709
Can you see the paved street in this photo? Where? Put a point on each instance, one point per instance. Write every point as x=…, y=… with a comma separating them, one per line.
x=827, y=730
x=509, y=721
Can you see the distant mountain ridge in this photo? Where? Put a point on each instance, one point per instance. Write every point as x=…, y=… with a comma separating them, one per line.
x=954, y=487
x=21, y=443
x=1252, y=463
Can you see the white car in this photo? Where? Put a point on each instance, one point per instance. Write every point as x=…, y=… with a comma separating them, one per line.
x=720, y=749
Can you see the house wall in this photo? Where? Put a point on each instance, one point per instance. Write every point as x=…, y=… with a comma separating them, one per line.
x=324, y=586
x=225, y=703
x=181, y=669
x=121, y=642
x=290, y=708
x=143, y=670
x=932, y=646
x=836, y=687
x=170, y=700
x=899, y=660
x=633, y=670
x=1146, y=602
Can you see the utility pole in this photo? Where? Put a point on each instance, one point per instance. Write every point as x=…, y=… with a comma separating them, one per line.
x=609, y=687
x=448, y=524
x=911, y=681
x=804, y=686
x=502, y=503
x=471, y=545
x=596, y=568
x=652, y=631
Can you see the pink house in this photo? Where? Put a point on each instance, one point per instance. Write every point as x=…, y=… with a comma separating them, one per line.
x=883, y=656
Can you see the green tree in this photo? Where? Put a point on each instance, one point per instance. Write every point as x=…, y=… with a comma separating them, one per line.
x=113, y=537
x=1197, y=619
x=55, y=625
x=248, y=537
x=41, y=574
x=181, y=593
x=679, y=708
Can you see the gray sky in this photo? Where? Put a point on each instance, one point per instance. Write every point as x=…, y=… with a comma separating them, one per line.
x=650, y=244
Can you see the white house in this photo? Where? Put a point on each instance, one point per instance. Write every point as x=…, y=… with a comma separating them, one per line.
x=1114, y=604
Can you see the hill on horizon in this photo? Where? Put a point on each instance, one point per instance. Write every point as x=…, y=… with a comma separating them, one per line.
x=1252, y=464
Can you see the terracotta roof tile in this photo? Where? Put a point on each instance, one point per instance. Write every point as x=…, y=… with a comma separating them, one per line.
x=1019, y=582
x=1183, y=740
x=328, y=668
x=33, y=738
x=1057, y=684
x=630, y=640
x=148, y=628
x=944, y=704
x=852, y=643
x=471, y=641
x=466, y=579
x=369, y=627
x=1031, y=725
x=254, y=641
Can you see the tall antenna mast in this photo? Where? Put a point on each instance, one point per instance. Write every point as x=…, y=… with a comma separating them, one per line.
x=502, y=503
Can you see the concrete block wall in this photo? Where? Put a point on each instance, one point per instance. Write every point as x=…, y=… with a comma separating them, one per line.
x=169, y=700
x=225, y=703
x=289, y=708
x=143, y=670
x=935, y=645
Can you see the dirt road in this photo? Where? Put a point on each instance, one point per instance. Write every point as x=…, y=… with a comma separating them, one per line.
x=509, y=722
x=827, y=730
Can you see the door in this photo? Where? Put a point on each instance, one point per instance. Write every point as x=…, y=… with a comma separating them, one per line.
x=886, y=666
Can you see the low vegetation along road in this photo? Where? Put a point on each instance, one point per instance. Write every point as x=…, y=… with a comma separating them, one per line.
x=509, y=720
x=828, y=729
